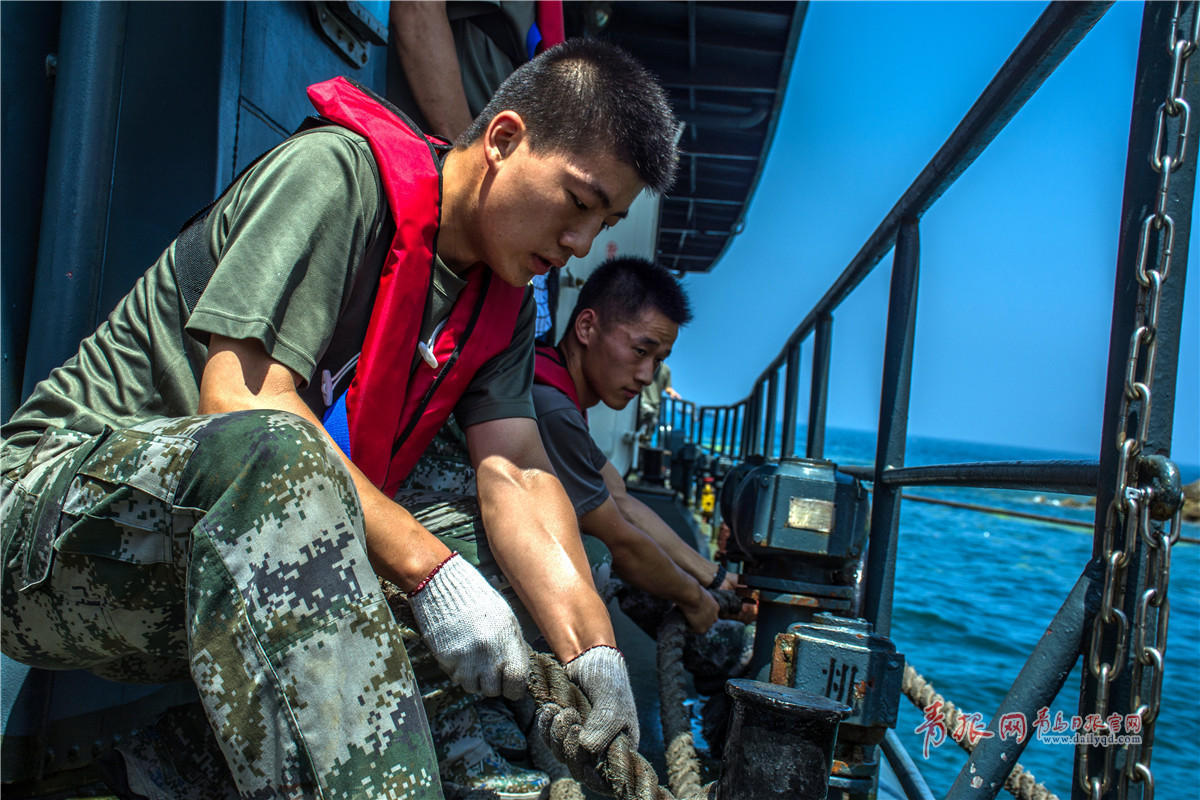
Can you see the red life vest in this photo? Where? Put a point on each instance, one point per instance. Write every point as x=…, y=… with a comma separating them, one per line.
x=550, y=369
x=392, y=409
x=549, y=14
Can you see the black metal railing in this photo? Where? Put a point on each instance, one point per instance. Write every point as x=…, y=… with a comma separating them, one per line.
x=749, y=426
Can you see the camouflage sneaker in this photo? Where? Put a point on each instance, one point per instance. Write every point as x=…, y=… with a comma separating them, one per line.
x=465, y=757
x=492, y=772
x=500, y=729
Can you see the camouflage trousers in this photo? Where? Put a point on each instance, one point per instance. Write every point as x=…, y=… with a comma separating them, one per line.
x=227, y=548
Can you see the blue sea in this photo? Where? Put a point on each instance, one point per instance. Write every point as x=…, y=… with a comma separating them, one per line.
x=975, y=591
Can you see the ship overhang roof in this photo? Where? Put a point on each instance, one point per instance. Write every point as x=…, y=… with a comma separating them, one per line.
x=725, y=66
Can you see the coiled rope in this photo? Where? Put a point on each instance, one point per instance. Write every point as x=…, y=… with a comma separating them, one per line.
x=562, y=709
x=561, y=712
x=1020, y=781
x=562, y=785
x=683, y=765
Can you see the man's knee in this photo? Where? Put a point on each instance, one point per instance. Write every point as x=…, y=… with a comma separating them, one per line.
x=268, y=452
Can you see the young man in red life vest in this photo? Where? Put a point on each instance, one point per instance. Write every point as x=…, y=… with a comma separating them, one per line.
x=623, y=326
x=172, y=507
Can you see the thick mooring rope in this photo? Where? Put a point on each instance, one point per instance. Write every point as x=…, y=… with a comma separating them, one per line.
x=729, y=603
x=562, y=785
x=683, y=766
x=561, y=711
x=562, y=708
x=1020, y=781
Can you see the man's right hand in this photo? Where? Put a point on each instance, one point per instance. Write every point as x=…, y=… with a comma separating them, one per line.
x=702, y=612
x=601, y=674
x=471, y=630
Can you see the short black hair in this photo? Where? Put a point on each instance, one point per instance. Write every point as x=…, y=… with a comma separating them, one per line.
x=622, y=288
x=585, y=95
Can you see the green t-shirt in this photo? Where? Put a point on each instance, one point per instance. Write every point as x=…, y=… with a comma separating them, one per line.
x=299, y=241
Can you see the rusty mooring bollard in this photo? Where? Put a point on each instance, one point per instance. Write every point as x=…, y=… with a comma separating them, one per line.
x=780, y=742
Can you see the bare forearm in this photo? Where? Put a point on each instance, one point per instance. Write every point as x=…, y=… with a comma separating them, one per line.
x=644, y=565
x=424, y=44
x=641, y=515
x=534, y=537
x=638, y=559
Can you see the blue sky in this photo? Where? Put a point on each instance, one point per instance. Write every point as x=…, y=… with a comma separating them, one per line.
x=1017, y=258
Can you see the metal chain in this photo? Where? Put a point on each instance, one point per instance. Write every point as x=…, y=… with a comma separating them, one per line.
x=1128, y=515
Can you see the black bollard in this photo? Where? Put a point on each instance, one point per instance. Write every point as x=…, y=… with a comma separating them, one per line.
x=780, y=742
x=655, y=463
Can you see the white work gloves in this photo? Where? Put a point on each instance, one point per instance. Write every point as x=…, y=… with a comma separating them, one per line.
x=600, y=672
x=472, y=631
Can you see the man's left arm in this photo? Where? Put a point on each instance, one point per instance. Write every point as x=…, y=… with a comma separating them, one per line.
x=533, y=534
x=530, y=523
x=643, y=517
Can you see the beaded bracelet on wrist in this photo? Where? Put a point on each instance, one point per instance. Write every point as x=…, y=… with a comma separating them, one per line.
x=719, y=578
x=594, y=647
x=425, y=581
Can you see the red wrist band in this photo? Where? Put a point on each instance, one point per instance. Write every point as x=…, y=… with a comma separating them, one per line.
x=425, y=581
x=593, y=647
